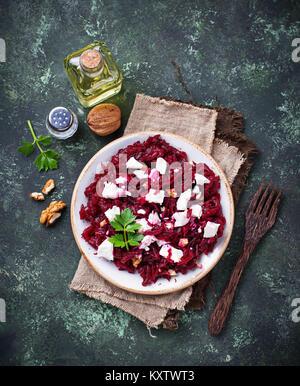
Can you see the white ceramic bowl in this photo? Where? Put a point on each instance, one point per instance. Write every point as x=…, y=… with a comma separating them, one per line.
x=133, y=282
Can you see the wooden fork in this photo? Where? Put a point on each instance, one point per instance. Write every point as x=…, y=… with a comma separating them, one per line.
x=260, y=217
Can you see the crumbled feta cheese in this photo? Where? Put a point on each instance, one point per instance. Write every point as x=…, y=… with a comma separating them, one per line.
x=122, y=192
x=210, y=229
x=196, y=190
x=100, y=168
x=175, y=254
x=132, y=163
x=106, y=250
x=154, y=218
x=165, y=250
x=126, y=192
x=121, y=180
x=154, y=175
x=181, y=219
x=199, y=196
x=161, y=165
x=141, y=211
x=200, y=179
x=169, y=225
x=155, y=196
x=144, y=225
x=147, y=240
x=111, y=213
x=160, y=243
x=196, y=210
x=199, y=230
x=110, y=190
x=140, y=174
x=183, y=200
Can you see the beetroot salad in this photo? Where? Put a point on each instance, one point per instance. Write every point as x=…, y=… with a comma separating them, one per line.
x=174, y=201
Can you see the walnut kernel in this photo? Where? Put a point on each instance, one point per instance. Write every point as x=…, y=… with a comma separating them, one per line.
x=37, y=196
x=50, y=185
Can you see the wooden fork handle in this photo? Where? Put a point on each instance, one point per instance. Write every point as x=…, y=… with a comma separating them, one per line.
x=220, y=313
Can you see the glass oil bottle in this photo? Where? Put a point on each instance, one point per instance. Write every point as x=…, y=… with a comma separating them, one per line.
x=93, y=74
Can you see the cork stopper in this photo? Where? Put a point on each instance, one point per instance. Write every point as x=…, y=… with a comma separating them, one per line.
x=91, y=61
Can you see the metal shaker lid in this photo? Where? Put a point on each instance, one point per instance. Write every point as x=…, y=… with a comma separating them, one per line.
x=60, y=118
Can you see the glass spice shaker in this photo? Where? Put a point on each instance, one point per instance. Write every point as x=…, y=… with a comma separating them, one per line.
x=61, y=122
x=93, y=74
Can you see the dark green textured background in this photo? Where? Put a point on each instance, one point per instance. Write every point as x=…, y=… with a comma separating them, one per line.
x=239, y=50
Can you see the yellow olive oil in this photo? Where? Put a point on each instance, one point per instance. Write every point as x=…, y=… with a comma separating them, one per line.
x=93, y=74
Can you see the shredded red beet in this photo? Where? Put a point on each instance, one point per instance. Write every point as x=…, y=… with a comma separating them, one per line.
x=152, y=265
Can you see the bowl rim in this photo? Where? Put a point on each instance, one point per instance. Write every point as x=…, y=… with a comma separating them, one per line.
x=196, y=277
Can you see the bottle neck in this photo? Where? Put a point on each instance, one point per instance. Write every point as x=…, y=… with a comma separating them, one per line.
x=91, y=63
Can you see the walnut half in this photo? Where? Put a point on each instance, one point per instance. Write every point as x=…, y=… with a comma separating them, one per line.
x=51, y=214
x=37, y=196
x=50, y=185
x=136, y=261
x=52, y=217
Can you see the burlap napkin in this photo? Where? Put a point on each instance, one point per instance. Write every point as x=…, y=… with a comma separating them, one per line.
x=219, y=132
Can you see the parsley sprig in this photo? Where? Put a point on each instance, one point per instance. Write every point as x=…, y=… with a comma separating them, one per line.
x=125, y=223
x=47, y=159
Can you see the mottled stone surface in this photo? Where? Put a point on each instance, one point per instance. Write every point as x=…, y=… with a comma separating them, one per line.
x=239, y=50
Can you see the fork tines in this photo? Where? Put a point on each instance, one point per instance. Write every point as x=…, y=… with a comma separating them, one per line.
x=263, y=204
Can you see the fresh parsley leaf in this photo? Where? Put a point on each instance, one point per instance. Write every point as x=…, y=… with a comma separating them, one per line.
x=135, y=239
x=133, y=227
x=117, y=223
x=127, y=216
x=40, y=162
x=53, y=164
x=27, y=148
x=125, y=222
x=47, y=159
x=133, y=243
x=117, y=240
x=51, y=154
x=46, y=141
